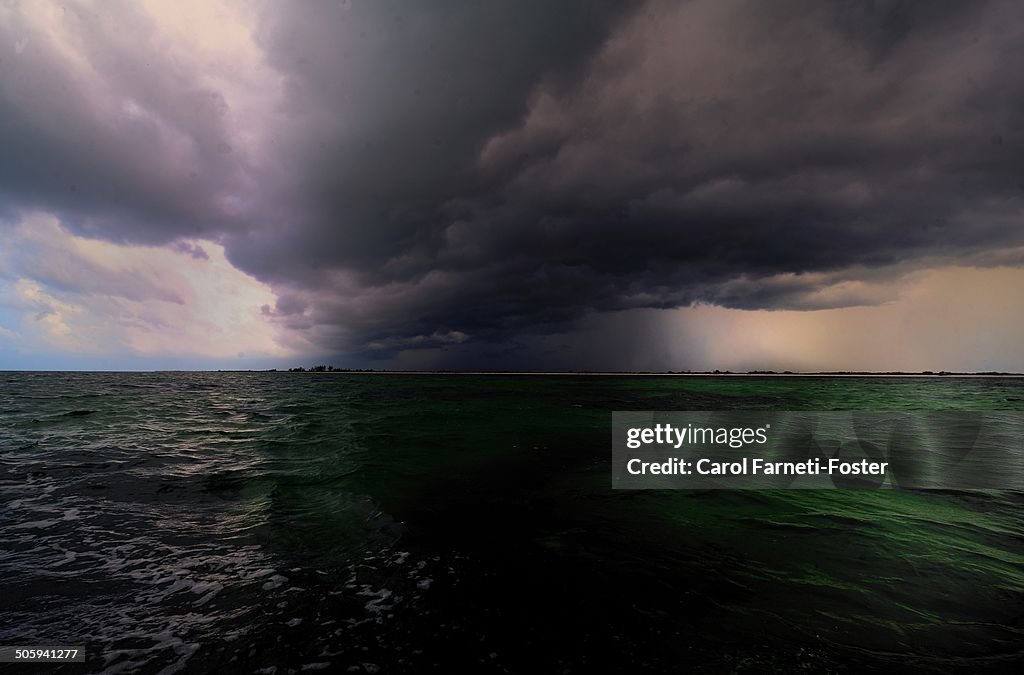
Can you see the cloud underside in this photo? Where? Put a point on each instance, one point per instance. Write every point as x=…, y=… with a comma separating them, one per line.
x=433, y=176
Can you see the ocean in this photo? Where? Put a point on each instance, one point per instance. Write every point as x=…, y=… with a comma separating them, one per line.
x=295, y=522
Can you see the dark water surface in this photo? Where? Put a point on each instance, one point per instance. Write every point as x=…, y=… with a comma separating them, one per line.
x=280, y=522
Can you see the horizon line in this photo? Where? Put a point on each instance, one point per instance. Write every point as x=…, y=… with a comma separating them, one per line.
x=635, y=373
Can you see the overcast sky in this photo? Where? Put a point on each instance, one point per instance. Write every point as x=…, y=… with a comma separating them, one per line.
x=524, y=184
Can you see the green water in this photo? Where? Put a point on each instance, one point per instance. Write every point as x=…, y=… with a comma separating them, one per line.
x=237, y=521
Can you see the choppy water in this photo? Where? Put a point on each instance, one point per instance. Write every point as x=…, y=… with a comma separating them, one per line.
x=221, y=522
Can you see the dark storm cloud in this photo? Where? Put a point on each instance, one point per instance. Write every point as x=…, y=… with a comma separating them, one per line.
x=387, y=105
x=740, y=154
x=447, y=174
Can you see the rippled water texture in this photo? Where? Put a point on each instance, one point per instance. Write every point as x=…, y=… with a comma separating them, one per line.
x=222, y=522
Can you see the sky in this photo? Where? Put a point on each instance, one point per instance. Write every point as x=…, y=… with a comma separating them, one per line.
x=537, y=185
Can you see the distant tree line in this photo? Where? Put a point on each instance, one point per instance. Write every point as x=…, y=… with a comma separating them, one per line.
x=329, y=369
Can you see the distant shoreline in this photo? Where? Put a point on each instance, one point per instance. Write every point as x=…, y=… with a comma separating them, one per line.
x=645, y=374
x=763, y=374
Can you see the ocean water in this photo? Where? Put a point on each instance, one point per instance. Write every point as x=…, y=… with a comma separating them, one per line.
x=294, y=522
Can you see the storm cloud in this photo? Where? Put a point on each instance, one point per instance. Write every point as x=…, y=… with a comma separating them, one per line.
x=476, y=176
